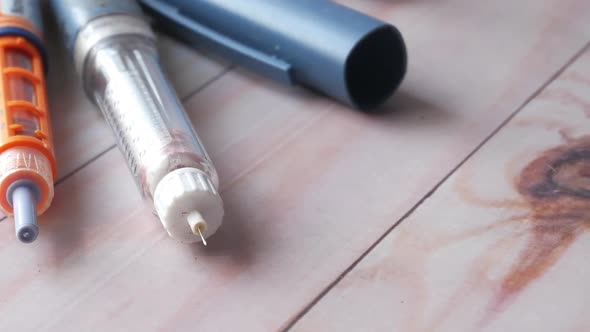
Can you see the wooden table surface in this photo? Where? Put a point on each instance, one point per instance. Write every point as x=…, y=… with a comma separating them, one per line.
x=462, y=206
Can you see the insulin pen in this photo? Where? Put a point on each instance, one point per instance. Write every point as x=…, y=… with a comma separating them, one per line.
x=114, y=52
x=27, y=160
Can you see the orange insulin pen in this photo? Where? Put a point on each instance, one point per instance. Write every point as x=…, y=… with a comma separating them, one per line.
x=27, y=160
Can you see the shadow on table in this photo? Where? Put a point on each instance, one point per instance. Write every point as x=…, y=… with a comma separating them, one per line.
x=406, y=110
x=237, y=239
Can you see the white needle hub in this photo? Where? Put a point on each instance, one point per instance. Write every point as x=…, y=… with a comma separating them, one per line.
x=188, y=205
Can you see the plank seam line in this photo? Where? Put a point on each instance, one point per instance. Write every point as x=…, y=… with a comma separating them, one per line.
x=291, y=323
x=86, y=163
x=208, y=82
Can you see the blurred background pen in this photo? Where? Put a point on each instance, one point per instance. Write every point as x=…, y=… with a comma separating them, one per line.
x=114, y=52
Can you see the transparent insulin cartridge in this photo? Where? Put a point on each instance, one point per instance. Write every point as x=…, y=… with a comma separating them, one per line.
x=114, y=52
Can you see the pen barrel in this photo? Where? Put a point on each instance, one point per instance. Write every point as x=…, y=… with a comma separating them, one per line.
x=114, y=52
x=123, y=76
x=26, y=144
x=23, y=13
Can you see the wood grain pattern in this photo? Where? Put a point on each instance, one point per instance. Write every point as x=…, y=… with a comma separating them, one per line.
x=308, y=185
x=501, y=246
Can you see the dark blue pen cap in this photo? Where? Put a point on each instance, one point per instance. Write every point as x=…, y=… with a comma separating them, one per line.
x=327, y=47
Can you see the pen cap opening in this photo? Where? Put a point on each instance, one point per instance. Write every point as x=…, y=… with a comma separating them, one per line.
x=376, y=67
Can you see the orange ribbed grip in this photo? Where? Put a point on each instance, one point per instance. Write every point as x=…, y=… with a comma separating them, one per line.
x=26, y=146
x=23, y=97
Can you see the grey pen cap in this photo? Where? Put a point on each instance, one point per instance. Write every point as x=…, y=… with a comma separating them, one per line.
x=330, y=48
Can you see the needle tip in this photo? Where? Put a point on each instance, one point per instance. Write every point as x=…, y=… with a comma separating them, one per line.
x=197, y=224
x=201, y=235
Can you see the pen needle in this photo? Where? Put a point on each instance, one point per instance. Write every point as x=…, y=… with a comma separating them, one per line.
x=201, y=234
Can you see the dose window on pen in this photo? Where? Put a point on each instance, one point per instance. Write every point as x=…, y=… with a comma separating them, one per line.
x=18, y=58
x=20, y=88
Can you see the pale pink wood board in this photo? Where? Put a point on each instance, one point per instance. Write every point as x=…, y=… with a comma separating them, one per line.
x=308, y=184
x=464, y=261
